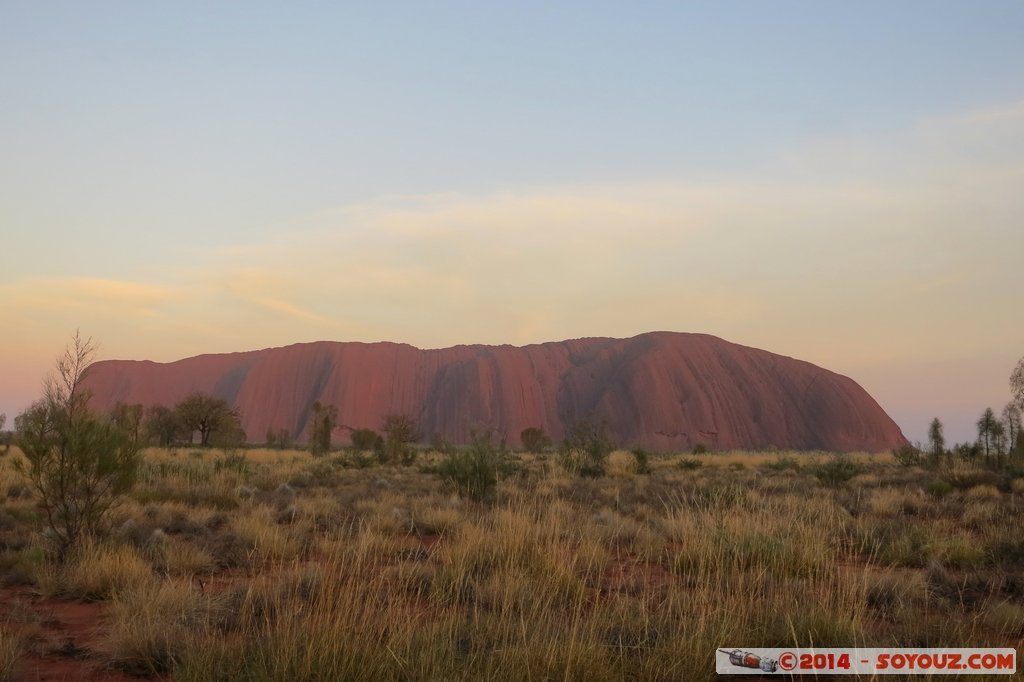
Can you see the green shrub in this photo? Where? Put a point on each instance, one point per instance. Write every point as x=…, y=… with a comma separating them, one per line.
x=534, y=439
x=966, y=451
x=643, y=465
x=836, y=471
x=940, y=488
x=586, y=448
x=278, y=438
x=78, y=464
x=322, y=420
x=438, y=443
x=908, y=456
x=474, y=472
x=689, y=464
x=408, y=456
x=784, y=463
x=365, y=439
x=699, y=449
x=399, y=432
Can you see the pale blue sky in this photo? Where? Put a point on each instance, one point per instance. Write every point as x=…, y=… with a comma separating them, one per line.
x=779, y=160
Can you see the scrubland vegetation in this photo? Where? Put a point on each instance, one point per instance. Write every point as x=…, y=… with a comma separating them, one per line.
x=390, y=562
x=277, y=565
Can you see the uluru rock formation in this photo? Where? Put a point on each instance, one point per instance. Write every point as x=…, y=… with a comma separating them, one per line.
x=661, y=390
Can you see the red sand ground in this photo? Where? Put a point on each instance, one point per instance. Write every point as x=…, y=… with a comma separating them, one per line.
x=62, y=636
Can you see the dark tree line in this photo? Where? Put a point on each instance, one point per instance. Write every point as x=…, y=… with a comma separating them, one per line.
x=999, y=436
x=198, y=418
x=392, y=444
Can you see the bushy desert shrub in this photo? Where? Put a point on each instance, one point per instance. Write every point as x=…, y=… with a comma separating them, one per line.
x=365, y=440
x=643, y=461
x=438, y=443
x=322, y=420
x=784, y=463
x=78, y=464
x=689, y=464
x=907, y=455
x=534, y=439
x=836, y=471
x=940, y=488
x=400, y=432
x=586, y=448
x=473, y=473
x=21, y=566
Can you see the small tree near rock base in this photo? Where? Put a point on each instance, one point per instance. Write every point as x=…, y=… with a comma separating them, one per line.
x=534, y=439
x=936, y=441
x=162, y=425
x=586, y=448
x=77, y=463
x=321, y=424
x=205, y=414
x=280, y=439
x=474, y=473
x=364, y=440
x=399, y=431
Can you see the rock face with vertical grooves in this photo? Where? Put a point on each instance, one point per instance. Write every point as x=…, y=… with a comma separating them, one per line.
x=661, y=390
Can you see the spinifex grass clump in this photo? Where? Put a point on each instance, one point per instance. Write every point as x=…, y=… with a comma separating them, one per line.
x=12, y=646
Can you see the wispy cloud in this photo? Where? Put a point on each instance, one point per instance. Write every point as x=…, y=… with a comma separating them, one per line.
x=286, y=309
x=855, y=253
x=876, y=235
x=84, y=294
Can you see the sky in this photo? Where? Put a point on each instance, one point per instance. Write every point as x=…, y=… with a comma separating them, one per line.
x=834, y=181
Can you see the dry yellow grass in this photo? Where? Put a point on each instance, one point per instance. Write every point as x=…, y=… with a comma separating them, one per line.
x=12, y=646
x=152, y=624
x=98, y=571
x=272, y=565
x=984, y=492
x=267, y=540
